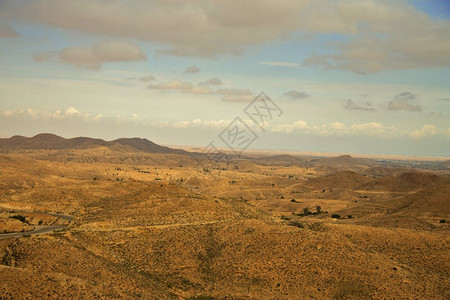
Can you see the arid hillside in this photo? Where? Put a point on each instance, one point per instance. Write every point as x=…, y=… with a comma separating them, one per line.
x=162, y=226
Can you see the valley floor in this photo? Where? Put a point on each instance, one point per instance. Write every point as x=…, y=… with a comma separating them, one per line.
x=160, y=226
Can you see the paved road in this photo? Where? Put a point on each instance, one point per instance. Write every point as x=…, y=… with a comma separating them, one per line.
x=41, y=229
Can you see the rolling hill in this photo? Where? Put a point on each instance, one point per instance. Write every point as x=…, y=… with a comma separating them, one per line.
x=51, y=141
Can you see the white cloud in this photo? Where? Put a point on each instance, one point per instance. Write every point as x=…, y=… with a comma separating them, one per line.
x=426, y=130
x=93, y=57
x=201, y=123
x=98, y=117
x=67, y=113
x=288, y=128
x=72, y=111
x=372, y=129
x=375, y=129
x=333, y=128
x=30, y=112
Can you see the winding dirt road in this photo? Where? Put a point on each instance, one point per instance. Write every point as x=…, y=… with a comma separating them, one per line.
x=40, y=229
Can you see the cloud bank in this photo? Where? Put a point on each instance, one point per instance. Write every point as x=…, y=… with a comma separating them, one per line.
x=336, y=128
x=381, y=35
x=95, y=56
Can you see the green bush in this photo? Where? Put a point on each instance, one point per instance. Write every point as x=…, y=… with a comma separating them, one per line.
x=335, y=216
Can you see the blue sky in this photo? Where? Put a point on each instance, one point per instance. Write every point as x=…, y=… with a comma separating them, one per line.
x=350, y=76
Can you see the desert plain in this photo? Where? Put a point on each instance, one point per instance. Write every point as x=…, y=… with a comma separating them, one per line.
x=129, y=219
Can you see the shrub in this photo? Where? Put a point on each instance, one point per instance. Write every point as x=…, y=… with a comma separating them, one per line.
x=350, y=216
x=296, y=224
x=283, y=217
x=335, y=216
x=19, y=217
x=442, y=221
x=293, y=200
x=318, y=209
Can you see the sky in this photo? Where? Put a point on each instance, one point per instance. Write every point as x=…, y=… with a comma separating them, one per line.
x=347, y=76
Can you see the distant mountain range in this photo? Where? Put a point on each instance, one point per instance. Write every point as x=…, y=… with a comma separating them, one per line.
x=51, y=141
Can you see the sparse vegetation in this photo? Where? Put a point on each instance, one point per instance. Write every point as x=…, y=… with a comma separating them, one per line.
x=202, y=234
